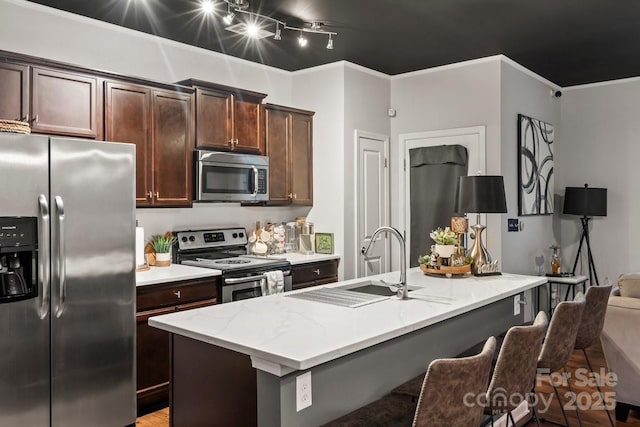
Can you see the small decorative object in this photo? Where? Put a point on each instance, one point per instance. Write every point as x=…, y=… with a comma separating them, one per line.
x=555, y=260
x=162, y=245
x=458, y=258
x=14, y=126
x=535, y=166
x=488, y=269
x=445, y=241
x=460, y=225
x=324, y=243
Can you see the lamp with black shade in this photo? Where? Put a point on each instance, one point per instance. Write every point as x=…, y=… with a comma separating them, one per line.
x=586, y=202
x=480, y=194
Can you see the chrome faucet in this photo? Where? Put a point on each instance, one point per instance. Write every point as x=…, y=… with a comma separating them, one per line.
x=401, y=287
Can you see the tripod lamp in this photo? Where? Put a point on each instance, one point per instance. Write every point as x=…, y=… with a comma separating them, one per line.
x=480, y=194
x=586, y=202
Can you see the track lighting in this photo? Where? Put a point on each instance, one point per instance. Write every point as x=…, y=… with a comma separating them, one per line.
x=256, y=25
x=330, y=43
x=207, y=6
x=302, y=40
x=228, y=19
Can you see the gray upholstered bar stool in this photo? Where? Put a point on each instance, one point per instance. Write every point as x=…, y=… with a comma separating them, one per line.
x=515, y=372
x=559, y=343
x=448, y=397
x=591, y=325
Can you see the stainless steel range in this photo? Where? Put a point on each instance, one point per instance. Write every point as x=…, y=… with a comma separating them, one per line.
x=243, y=276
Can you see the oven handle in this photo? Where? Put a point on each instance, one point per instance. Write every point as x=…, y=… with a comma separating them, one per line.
x=233, y=281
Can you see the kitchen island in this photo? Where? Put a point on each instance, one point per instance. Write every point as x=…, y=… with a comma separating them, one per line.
x=354, y=355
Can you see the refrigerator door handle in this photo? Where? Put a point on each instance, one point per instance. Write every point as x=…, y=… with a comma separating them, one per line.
x=60, y=261
x=44, y=266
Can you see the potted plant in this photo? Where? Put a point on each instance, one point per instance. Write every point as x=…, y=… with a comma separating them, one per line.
x=162, y=244
x=446, y=241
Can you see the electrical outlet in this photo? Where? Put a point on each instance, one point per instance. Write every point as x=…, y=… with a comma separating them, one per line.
x=303, y=391
x=516, y=305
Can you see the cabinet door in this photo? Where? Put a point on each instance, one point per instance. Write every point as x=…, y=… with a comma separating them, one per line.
x=301, y=159
x=64, y=103
x=213, y=119
x=14, y=92
x=276, y=140
x=246, y=126
x=172, y=137
x=127, y=120
x=152, y=370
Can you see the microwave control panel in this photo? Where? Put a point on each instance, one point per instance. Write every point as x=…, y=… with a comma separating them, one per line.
x=262, y=181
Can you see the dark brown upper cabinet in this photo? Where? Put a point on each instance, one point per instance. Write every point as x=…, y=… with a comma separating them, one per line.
x=227, y=118
x=160, y=123
x=289, y=145
x=54, y=102
x=14, y=91
x=65, y=103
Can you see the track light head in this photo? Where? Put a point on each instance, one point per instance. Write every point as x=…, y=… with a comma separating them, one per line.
x=330, y=43
x=278, y=34
x=228, y=19
x=302, y=40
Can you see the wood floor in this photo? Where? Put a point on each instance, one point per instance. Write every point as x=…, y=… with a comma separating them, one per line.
x=590, y=418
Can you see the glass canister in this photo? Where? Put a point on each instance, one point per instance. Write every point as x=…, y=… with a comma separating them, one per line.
x=291, y=236
x=306, y=238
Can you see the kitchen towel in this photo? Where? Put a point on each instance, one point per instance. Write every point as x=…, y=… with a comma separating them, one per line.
x=140, y=246
x=275, y=282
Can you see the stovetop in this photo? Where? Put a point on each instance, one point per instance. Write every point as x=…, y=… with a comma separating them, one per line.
x=237, y=263
x=222, y=249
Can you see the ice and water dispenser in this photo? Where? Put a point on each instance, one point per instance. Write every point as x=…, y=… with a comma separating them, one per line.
x=18, y=258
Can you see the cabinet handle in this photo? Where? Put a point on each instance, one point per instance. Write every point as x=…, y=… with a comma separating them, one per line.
x=177, y=294
x=295, y=196
x=290, y=195
x=157, y=194
x=35, y=119
x=25, y=118
x=317, y=271
x=149, y=195
x=236, y=142
x=231, y=143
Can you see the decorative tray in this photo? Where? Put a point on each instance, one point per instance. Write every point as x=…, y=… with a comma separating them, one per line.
x=446, y=270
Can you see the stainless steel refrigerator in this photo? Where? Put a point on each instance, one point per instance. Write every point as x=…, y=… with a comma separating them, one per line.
x=67, y=276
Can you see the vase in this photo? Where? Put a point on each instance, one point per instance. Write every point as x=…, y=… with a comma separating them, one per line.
x=445, y=251
x=163, y=259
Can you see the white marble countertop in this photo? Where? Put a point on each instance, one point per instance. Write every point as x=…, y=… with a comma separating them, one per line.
x=173, y=273
x=284, y=334
x=295, y=258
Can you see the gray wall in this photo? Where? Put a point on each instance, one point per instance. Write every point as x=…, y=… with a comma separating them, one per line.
x=461, y=95
x=600, y=131
x=520, y=93
x=366, y=96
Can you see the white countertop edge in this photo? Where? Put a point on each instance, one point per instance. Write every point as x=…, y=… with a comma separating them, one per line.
x=295, y=258
x=289, y=365
x=173, y=273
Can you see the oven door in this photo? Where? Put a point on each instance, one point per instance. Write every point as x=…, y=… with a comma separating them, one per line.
x=228, y=177
x=239, y=288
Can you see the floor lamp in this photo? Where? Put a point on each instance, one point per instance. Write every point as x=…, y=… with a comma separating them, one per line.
x=586, y=202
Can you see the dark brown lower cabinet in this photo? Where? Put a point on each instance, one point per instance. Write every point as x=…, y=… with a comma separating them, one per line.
x=211, y=386
x=152, y=344
x=314, y=274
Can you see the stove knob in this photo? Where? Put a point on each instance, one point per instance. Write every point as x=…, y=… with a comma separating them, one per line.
x=192, y=239
x=235, y=235
x=241, y=235
x=184, y=239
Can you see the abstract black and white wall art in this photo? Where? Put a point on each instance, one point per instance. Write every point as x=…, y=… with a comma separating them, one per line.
x=535, y=166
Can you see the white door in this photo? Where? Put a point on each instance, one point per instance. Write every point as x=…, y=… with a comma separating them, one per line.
x=372, y=207
x=472, y=138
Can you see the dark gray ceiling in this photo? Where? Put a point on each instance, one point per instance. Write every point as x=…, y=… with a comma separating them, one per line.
x=568, y=42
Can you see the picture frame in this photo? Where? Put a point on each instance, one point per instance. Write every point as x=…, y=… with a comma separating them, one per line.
x=324, y=243
x=535, y=166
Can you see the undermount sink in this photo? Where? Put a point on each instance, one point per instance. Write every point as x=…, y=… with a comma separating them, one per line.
x=352, y=295
x=372, y=287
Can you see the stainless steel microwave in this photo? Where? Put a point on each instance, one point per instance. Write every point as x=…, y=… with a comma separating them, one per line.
x=231, y=177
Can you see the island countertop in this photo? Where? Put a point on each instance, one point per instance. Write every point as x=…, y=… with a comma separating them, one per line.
x=283, y=334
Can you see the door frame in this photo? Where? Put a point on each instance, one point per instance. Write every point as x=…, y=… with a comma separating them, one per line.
x=405, y=140
x=387, y=186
